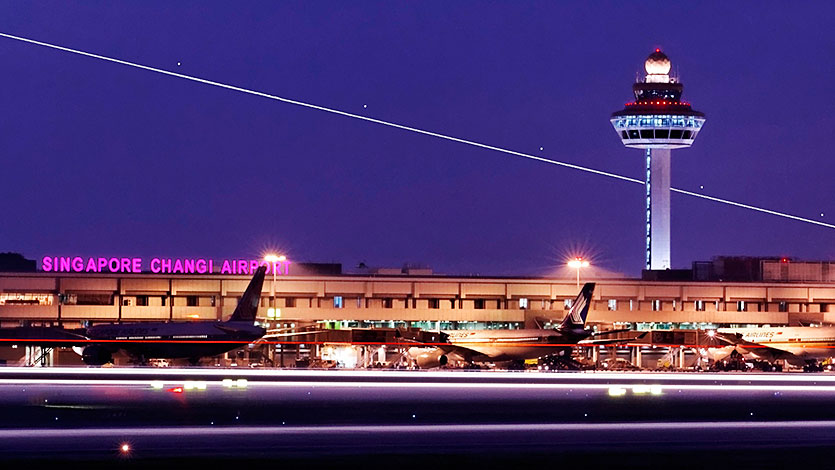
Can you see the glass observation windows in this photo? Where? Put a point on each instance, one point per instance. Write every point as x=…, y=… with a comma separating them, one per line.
x=661, y=127
x=658, y=120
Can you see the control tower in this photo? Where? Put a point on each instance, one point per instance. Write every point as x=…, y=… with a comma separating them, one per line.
x=658, y=121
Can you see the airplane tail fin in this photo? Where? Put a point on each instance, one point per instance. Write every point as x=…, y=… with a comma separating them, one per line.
x=576, y=318
x=248, y=305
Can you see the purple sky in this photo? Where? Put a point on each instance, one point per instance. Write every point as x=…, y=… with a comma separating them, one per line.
x=103, y=159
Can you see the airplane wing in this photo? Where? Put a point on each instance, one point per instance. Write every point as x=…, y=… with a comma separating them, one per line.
x=619, y=340
x=44, y=336
x=435, y=340
x=481, y=350
x=290, y=335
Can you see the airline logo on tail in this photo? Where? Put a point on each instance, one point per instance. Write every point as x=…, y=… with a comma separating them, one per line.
x=576, y=318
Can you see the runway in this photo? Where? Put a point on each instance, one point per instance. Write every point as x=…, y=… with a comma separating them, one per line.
x=412, y=417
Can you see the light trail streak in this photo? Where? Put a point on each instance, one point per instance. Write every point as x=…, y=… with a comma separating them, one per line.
x=754, y=208
x=602, y=386
x=489, y=374
x=409, y=128
x=260, y=431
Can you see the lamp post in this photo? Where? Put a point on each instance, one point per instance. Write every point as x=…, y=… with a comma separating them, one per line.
x=578, y=263
x=274, y=260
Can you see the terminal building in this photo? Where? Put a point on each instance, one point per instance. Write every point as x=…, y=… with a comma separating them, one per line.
x=727, y=291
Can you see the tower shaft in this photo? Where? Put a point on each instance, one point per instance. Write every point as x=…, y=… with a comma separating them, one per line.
x=658, y=208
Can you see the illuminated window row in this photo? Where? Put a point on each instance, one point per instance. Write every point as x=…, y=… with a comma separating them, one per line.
x=667, y=134
x=25, y=298
x=658, y=121
x=340, y=302
x=424, y=325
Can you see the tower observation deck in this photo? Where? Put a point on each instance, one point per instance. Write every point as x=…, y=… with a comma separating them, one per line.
x=658, y=121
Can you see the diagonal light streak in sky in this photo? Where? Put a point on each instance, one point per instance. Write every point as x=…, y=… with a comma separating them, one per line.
x=410, y=129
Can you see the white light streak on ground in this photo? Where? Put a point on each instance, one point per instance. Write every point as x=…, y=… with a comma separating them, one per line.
x=406, y=429
x=160, y=373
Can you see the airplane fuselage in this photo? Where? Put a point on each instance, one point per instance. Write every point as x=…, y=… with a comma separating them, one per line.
x=802, y=341
x=175, y=340
x=511, y=345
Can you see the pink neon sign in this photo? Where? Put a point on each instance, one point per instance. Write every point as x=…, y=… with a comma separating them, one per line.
x=78, y=264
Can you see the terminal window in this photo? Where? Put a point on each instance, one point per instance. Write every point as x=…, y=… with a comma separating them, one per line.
x=567, y=303
x=434, y=303
x=700, y=305
x=656, y=305
x=387, y=302
x=613, y=305
x=478, y=304
x=523, y=303
x=191, y=301
x=142, y=300
x=88, y=299
x=15, y=298
x=337, y=301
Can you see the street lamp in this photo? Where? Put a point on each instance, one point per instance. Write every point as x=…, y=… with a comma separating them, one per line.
x=272, y=311
x=578, y=263
x=274, y=259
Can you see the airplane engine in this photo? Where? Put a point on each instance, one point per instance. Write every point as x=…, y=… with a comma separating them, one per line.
x=427, y=358
x=96, y=355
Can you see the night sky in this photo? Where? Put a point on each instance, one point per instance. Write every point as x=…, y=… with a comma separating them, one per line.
x=101, y=159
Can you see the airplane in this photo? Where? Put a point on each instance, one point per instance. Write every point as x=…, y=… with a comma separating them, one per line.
x=800, y=346
x=512, y=346
x=155, y=340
